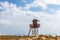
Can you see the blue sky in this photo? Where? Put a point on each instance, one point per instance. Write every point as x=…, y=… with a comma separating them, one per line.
x=16, y=15
x=18, y=2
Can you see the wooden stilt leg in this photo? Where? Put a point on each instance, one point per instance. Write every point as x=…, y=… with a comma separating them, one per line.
x=37, y=31
x=29, y=32
x=32, y=31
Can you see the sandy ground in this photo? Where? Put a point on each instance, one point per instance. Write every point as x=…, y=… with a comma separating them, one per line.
x=39, y=37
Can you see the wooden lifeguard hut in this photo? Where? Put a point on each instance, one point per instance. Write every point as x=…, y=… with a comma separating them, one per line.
x=34, y=27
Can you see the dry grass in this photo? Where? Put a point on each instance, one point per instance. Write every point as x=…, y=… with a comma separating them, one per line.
x=39, y=37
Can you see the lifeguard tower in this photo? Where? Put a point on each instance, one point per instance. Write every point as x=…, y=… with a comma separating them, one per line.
x=34, y=27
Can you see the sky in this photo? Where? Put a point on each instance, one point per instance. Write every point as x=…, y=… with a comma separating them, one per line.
x=16, y=15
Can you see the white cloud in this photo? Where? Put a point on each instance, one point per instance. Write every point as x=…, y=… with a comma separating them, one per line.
x=14, y=11
x=36, y=3
x=24, y=17
x=2, y=21
x=42, y=3
x=56, y=2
